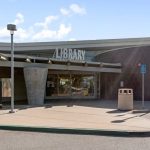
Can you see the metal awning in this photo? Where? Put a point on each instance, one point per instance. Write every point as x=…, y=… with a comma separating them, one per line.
x=22, y=61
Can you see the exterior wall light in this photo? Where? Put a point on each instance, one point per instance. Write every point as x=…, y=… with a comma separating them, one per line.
x=101, y=65
x=28, y=60
x=49, y=61
x=3, y=58
x=86, y=64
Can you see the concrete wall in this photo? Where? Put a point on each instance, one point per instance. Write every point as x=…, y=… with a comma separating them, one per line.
x=129, y=58
x=35, y=79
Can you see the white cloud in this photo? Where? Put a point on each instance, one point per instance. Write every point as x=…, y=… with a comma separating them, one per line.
x=19, y=19
x=51, y=28
x=47, y=21
x=47, y=33
x=40, y=31
x=4, y=32
x=73, y=9
x=77, y=9
x=64, y=11
x=44, y=34
x=22, y=35
x=63, y=30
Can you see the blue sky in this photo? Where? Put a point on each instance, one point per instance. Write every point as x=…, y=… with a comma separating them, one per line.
x=63, y=20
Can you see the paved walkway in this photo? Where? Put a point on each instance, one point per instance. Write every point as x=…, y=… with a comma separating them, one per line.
x=90, y=114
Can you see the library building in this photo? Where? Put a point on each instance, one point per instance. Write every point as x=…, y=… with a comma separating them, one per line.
x=90, y=69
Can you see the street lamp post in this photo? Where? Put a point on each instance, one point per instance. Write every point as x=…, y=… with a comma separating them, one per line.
x=12, y=28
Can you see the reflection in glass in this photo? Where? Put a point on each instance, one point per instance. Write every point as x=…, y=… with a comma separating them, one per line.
x=64, y=85
x=6, y=87
x=82, y=85
x=51, y=85
x=78, y=85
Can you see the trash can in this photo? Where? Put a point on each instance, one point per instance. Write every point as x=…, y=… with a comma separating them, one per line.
x=125, y=99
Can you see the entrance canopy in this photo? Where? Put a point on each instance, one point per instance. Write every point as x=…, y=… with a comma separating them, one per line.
x=22, y=61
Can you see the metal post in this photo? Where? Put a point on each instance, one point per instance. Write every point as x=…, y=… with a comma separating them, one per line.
x=95, y=85
x=143, y=71
x=12, y=28
x=0, y=93
x=99, y=85
x=57, y=84
x=12, y=75
x=142, y=90
x=70, y=92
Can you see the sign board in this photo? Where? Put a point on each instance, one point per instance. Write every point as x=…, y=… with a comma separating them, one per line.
x=143, y=71
x=143, y=68
x=69, y=54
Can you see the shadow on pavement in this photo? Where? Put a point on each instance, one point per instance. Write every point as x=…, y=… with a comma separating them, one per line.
x=118, y=121
x=116, y=111
x=123, y=120
x=107, y=104
x=110, y=104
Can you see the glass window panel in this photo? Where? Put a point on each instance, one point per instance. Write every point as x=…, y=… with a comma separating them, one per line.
x=64, y=85
x=6, y=87
x=82, y=85
x=51, y=85
x=79, y=85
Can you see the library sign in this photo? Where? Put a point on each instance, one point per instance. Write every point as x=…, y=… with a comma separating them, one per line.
x=69, y=54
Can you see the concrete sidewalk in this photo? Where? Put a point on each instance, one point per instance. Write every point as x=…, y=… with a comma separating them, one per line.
x=88, y=115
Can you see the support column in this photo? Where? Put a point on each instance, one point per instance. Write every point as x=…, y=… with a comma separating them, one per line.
x=35, y=79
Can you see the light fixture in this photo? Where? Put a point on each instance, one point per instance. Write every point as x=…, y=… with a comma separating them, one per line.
x=3, y=58
x=68, y=62
x=49, y=61
x=28, y=60
x=101, y=64
x=86, y=64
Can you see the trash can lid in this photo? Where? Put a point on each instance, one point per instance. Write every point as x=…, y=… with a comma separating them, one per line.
x=125, y=91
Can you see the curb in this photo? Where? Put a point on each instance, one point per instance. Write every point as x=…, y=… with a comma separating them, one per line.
x=80, y=131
